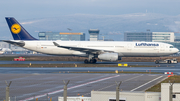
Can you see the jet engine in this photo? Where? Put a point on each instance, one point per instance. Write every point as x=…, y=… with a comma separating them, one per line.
x=109, y=57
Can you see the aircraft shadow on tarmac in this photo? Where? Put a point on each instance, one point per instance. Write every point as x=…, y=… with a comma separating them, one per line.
x=107, y=62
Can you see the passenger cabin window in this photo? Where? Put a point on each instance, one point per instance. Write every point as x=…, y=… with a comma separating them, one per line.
x=171, y=47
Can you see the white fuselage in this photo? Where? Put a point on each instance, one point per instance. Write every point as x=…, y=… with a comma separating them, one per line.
x=124, y=49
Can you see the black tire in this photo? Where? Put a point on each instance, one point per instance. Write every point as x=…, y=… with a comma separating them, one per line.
x=156, y=61
x=94, y=60
x=169, y=61
x=86, y=61
x=91, y=61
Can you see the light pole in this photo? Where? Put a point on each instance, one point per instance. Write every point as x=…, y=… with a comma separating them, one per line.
x=70, y=35
x=171, y=91
x=7, y=90
x=65, y=90
x=117, y=90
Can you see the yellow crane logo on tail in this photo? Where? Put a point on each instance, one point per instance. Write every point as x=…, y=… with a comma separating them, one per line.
x=15, y=28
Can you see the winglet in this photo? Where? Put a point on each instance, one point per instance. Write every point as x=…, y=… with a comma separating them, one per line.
x=56, y=44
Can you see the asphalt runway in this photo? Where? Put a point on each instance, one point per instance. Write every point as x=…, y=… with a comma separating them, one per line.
x=28, y=86
x=38, y=82
x=80, y=62
x=10, y=70
x=72, y=62
x=161, y=67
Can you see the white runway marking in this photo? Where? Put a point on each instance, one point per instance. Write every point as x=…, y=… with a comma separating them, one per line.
x=115, y=84
x=145, y=84
x=61, y=90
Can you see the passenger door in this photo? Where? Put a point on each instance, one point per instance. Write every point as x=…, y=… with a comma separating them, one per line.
x=129, y=47
x=162, y=47
x=38, y=45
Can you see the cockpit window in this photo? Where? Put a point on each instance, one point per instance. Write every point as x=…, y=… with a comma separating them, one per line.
x=171, y=47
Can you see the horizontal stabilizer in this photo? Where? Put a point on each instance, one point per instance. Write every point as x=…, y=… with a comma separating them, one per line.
x=19, y=43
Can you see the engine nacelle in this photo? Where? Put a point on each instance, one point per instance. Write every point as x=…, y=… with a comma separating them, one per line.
x=109, y=56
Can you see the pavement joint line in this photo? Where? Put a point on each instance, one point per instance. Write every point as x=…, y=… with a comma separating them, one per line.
x=115, y=84
x=132, y=78
x=61, y=90
x=106, y=87
x=146, y=83
x=122, y=81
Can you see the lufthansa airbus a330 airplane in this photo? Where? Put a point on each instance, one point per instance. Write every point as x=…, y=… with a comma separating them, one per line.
x=103, y=50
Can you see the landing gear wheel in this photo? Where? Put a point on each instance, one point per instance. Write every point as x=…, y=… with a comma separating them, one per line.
x=86, y=61
x=93, y=61
x=156, y=61
x=169, y=61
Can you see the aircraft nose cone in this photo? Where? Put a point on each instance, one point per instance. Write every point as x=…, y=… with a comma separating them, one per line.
x=176, y=50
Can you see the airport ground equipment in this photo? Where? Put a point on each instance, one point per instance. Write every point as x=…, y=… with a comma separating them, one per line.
x=19, y=59
x=168, y=73
x=169, y=61
x=125, y=65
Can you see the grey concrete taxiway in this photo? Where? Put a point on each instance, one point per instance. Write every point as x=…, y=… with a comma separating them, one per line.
x=30, y=86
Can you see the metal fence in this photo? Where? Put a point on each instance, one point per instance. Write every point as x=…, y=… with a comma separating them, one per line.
x=52, y=96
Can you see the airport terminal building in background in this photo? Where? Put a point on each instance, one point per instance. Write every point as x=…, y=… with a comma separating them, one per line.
x=166, y=37
x=45, y=36
x=149, y=36
x=64, y=36
x=94, y=34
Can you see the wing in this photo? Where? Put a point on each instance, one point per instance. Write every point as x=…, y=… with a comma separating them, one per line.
x=86, y=50
x=17, y=43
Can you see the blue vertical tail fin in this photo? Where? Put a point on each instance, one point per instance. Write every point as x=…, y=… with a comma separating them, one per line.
x=18, y=32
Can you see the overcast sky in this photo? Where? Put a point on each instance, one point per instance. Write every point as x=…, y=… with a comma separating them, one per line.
x=24, y=10
x=54, y=8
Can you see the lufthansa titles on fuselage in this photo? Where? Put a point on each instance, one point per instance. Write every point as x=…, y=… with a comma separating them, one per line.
x=146, y=44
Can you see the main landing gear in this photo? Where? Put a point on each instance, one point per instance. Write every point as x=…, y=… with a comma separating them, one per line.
x=90, y=60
